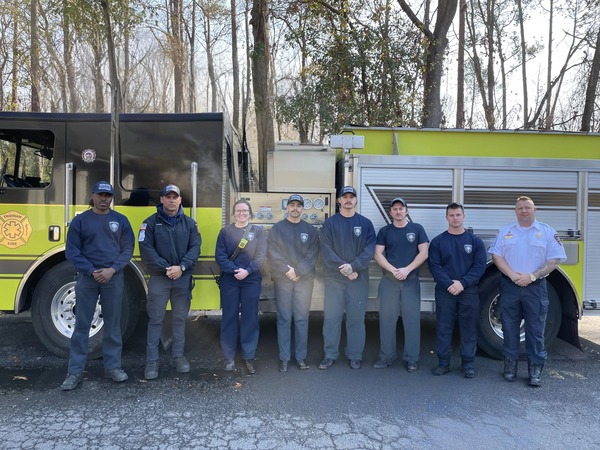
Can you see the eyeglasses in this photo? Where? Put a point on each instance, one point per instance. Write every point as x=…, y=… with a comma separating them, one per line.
x=242, y=211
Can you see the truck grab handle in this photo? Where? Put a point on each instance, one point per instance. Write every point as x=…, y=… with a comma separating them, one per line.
x=68, y=192
x=194, y=170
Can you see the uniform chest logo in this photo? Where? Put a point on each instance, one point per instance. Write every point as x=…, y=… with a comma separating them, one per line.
x=357, y=231
x=15, y=229
x=303, y=237
x=251, y=236
x=508, y=235
x=468, y=248
x=114, y=226
x=410, y=237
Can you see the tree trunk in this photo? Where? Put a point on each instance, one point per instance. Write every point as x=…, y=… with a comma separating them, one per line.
x=235, y=67
x=35, y=58
x=460, y=82
x=177, y=52
x=592, y=86
x=523, y=63
x=549, y=119
x=261, y=70
x=69, y=88
x=14, y=83
x=435, y=43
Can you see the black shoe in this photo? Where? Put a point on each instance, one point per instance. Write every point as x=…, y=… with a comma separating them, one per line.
x=469, y=371
x=355, y=364
x=440, y=370
x=151, y=371
x=510, y=369
x=71, y=382
x=283, y=366
x=382, y=364
x=250, y=366
x=229, y=366
x=411, y=366
x=302, y=365
x=181, y=364
x=326, y=363
x=117, y=374
x=535, y=374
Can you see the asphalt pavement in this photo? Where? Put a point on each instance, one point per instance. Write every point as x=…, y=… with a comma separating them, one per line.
x=338, y=408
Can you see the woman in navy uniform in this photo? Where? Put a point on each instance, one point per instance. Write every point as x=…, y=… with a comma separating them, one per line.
x=240, y=252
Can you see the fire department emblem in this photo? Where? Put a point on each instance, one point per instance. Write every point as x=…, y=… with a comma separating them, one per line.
x=411, y=237
x=357, y=231
x=468, y=248
x=114, y=226
x=15, y=229
x=303, y=237
x=88, y=155
x=251, y=236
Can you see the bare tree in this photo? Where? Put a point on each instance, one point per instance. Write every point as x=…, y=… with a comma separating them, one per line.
x=35, y=58
x=436, y=41
x=261, y=78
x=591, y=95
x=235, y=65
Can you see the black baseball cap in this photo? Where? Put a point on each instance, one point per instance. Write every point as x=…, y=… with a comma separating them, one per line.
x=398, y=199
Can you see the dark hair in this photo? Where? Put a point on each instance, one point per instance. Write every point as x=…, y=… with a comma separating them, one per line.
x=242, y=201
x=455, y=206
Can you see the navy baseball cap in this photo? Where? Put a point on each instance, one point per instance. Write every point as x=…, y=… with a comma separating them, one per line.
x=347, y=190
x=170, y=188
x=103, y=187
x=398, y=199
x=296, y=198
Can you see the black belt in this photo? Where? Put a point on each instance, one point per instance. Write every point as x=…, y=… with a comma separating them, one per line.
x=539, y=280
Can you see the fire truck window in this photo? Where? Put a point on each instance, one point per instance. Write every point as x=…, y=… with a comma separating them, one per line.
x=26, y=158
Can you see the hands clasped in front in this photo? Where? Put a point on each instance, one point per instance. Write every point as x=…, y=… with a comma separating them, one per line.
x=103, y=276
x=346, y=270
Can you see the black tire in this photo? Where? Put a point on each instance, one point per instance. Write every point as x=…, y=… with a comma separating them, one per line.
x=489, y=328
x=54, y=308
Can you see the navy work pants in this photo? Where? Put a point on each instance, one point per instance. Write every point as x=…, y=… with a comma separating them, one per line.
x=161, y=289
x=292, y=299
x=448, y=308
x=342, y=294
x=529, y=303
x=87, y=291
x=239, y=297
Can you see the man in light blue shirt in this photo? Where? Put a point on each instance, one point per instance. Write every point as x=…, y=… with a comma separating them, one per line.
x=525, y=251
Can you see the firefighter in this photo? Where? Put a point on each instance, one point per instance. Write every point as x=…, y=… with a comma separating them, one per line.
x=347, y=244
x=293, y=247
x=526, y=252
x=240, y=252
x=169, y=247
x=457, y=260
x=401, y=248
x=99, y=244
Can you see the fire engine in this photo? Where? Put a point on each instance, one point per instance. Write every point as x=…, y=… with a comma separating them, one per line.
x=50, y=162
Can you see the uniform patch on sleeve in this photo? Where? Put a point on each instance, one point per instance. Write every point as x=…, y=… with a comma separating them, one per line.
x=142, y=233
x=557, y=239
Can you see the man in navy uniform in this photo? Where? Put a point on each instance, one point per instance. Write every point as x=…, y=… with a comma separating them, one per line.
x=293, y=247
x=400, y=250
x=526, y=252
x=99, y=244
x=347, y=245
x=169, y=247
x=457, y=261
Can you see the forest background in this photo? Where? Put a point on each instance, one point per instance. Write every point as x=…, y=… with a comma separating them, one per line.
x=301, y=70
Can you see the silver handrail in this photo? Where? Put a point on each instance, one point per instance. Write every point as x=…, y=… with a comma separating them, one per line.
x=194, y=170
x=68, y=192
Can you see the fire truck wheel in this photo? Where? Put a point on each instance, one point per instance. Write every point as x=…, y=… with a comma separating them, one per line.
x=54, y=309
x=489, y=329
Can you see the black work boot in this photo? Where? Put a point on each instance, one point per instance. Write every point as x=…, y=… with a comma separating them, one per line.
x=535, y=373
x=510, y=369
